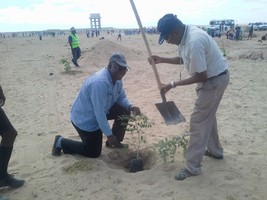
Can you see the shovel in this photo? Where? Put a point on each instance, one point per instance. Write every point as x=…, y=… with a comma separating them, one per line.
x=167, y=109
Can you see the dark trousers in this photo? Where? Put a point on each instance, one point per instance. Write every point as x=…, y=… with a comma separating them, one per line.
x=5, y=124
x=91, y=144
x=76, y=53
x=5, y=154
x=8, y=134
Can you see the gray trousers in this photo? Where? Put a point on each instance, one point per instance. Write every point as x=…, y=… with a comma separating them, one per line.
x=203, y=122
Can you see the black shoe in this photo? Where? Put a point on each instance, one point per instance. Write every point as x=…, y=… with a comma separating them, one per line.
x=207, y=153
x=56, y=151
x=119, y=146
x=12, y=182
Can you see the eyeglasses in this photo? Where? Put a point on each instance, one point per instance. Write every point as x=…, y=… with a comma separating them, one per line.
x=122, y=68
x=166, y=37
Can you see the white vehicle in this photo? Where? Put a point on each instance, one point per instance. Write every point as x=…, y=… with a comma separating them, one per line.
x=262, y=26
x=223, y=25
x=259, y=26
x=255, y=27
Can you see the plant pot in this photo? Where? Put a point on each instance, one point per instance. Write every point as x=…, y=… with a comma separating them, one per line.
x=136, y=165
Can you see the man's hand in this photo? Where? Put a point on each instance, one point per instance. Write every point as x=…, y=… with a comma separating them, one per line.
x=135, y=110
x=154, y=58
x=112, y=141
x=165, y=88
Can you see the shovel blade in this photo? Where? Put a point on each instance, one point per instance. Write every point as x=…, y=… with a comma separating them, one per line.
x=170, y=113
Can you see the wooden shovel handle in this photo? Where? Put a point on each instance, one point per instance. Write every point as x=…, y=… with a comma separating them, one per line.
x=146, y=43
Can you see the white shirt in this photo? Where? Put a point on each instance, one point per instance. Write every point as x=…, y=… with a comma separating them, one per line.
x=200, y=53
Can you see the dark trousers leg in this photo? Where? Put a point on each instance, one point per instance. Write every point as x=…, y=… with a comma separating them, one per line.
x=5, y=154
x=91, y=145
x=76, y=53
x=8, y=134
x=118, y=129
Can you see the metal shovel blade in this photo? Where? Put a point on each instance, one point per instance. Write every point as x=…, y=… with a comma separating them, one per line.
x=170, y=113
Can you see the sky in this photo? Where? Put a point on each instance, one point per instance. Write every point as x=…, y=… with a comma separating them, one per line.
x=35, y=15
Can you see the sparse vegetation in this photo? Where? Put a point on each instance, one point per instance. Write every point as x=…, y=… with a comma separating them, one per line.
x=66, y=64
x=168, y=147
x=223, y=50
x=83, y=165
x=136, y=125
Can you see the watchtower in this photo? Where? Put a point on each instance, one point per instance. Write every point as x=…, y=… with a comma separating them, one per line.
x=95, y=21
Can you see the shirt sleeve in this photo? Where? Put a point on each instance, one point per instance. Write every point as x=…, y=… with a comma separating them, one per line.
x=99, y=96
x=122, y=98
x=198, y=62
x=70, y=39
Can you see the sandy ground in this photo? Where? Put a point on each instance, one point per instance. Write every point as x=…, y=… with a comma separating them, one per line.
x=40, y=94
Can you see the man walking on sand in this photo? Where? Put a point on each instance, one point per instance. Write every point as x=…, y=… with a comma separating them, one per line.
x=208, y=69
x=75, y=46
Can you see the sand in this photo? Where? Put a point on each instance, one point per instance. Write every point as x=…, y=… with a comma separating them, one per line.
x=40, y=93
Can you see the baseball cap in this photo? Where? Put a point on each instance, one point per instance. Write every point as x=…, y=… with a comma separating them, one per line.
x=72, y=29
x=119, y=59
x=166, y=24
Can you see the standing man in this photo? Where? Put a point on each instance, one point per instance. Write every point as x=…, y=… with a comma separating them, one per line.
x=75, y=46
x=250, y=32
x=238, y=32
x=119, y=36
x=101, y=98
x=8, y=134
x=208, y=69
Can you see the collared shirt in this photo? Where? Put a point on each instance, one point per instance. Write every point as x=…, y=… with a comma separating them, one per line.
x=200, y=52
x=97, y=95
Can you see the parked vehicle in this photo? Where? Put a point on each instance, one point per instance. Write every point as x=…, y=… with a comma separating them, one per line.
x=222, y=25
x=262, y=27
x=255, y=27
x=259, y=26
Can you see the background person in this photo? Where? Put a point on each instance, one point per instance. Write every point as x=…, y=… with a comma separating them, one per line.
x=208, y=69
x=101, y=98
x=238, y=33
x=250, y=32
x=75, y=46
x=119, y=36
x=8, y=134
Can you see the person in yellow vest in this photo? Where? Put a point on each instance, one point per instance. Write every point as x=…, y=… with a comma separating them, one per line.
x=75, y=46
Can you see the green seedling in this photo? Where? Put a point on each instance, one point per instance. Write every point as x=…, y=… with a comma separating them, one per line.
x=136, y=125
x=167, y=148
x=66, y=64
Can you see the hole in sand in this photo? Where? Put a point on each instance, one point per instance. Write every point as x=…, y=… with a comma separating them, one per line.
x=122, y=158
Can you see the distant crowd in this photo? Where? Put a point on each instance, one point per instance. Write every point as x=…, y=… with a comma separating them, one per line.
x=235, y=33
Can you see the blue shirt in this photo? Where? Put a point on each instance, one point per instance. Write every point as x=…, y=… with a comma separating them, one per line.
x=96, y=97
